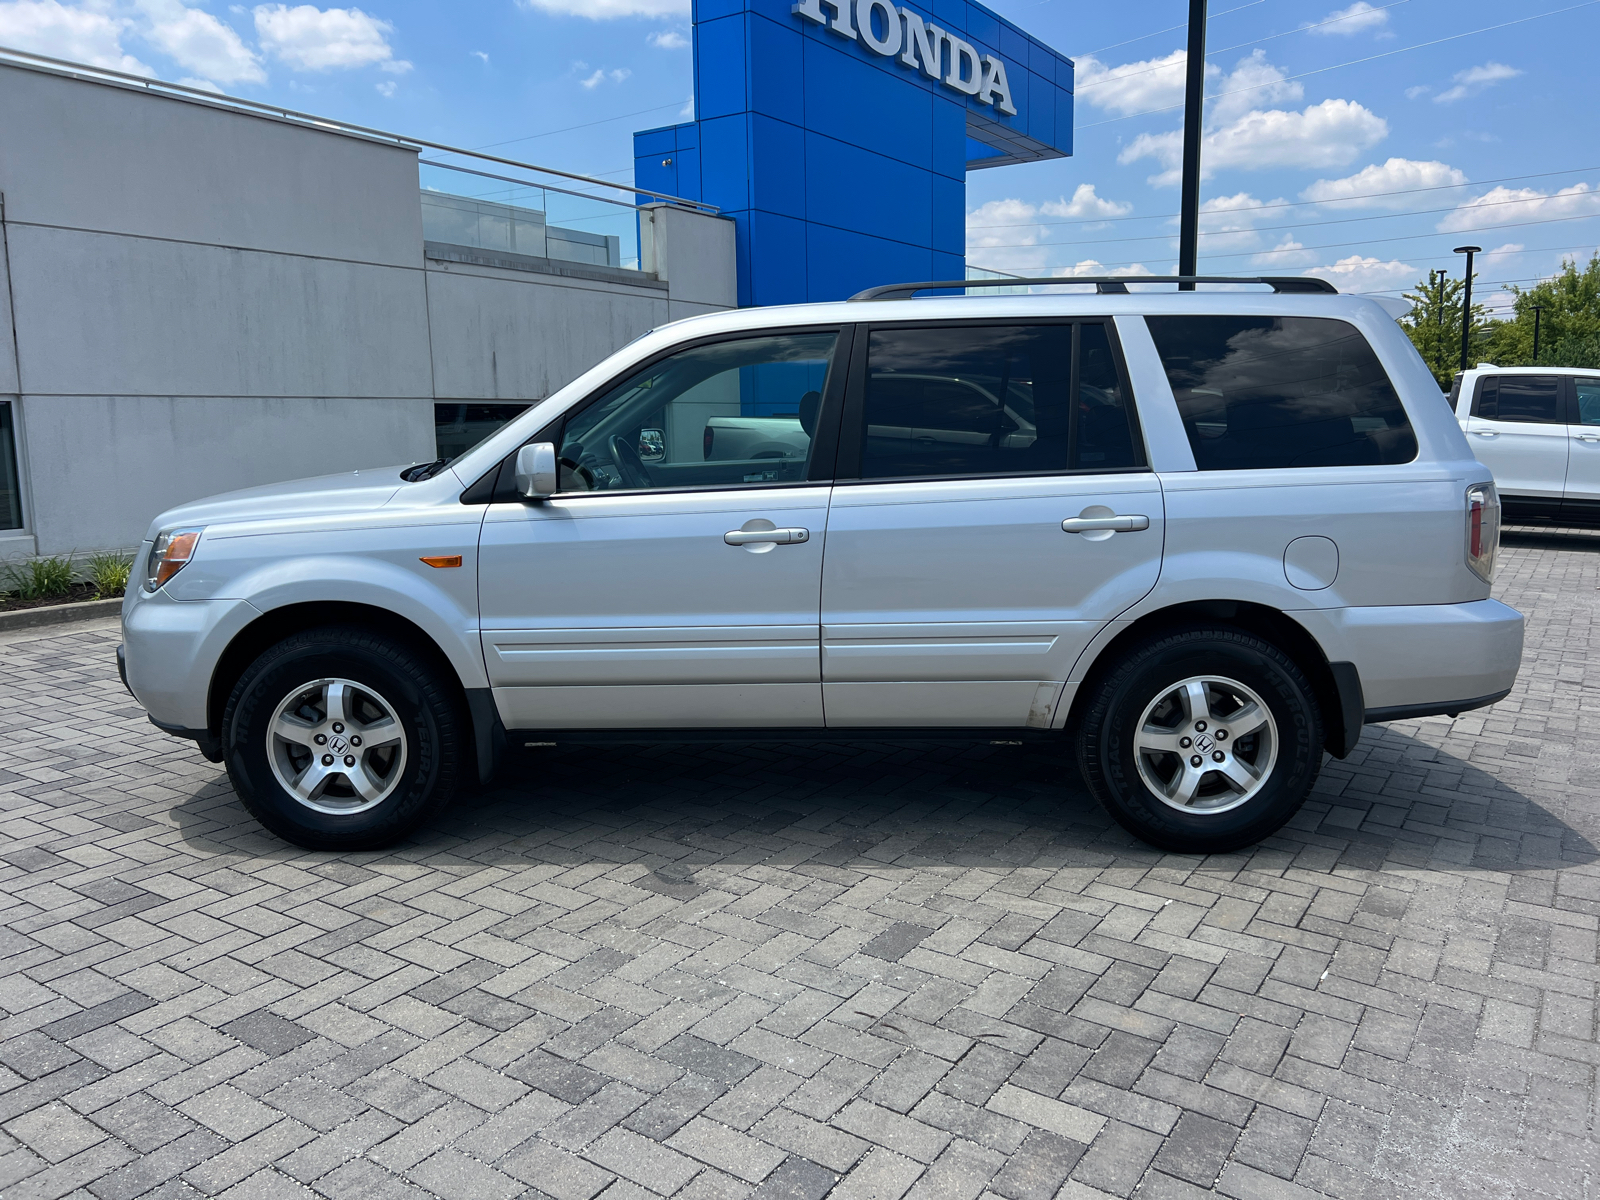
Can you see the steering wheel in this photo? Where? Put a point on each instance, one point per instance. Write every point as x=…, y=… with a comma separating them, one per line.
x=626, y=455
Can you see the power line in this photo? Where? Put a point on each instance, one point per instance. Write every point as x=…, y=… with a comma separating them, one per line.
x=1409, y=237
x=1443, y=187
x=1214, y=233
x=1143, y=36
x=1210, y=54
x=586, y=125
x=1352, y=63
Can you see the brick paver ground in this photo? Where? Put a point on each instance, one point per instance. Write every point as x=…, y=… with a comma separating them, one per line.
x=872, y=970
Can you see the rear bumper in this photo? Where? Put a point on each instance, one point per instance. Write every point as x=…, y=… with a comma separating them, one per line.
x=1423, y=659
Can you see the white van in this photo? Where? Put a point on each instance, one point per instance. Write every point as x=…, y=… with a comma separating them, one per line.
x=1203, y=535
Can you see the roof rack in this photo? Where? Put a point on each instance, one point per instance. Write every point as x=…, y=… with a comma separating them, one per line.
x=1104, y=284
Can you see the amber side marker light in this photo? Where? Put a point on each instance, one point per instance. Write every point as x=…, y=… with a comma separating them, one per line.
x=442, y=560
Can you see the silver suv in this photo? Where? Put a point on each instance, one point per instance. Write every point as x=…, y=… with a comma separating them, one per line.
x=1204, y=535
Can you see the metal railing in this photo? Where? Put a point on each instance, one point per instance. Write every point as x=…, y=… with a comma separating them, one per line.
x=60, y=66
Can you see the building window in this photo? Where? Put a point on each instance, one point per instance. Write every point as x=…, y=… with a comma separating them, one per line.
x=10, y=485
x=457, y=428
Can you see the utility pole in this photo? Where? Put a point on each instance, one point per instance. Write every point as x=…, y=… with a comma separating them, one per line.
x=1193, y=104
x=1466, y=301
x=1537, y=309
x=1436, y=282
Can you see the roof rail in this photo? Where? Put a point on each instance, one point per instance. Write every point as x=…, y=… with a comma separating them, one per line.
x=1114, y=284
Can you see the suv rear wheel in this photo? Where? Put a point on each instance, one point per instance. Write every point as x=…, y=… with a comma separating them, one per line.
x=337, y=739
x=1202, y=741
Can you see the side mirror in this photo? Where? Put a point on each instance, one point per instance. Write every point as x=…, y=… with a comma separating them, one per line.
x=536, y=471
x=652, y=445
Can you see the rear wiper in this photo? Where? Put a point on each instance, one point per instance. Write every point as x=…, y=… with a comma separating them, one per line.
x=424, y=471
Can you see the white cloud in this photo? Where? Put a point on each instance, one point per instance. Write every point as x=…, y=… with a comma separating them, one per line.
x=387, y=88
x=1252, y=84
x=1008, y=235
x=1367, y=274
x=1093, y=266
x=204, y=85
x=50, y=28
x=480, y=54
x=1329, y=134
x=1503, y=205
x=1358, y=18
x=1157, y=83
x=669, y=39
x=1228, y=223
x=198, y=41
x=1286, y=255
x=1475, y=79
x=308, y=38
x=606, y=10
x=1133, y=87
x=1397, y=175
x=1086, y=204
x=1421, y=89
x=600, y=76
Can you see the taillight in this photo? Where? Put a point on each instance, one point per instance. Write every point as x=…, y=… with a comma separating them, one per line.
x=710, y=436
x=1483, y=529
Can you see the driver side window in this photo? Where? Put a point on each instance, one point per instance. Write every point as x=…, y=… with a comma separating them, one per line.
x=735, y=413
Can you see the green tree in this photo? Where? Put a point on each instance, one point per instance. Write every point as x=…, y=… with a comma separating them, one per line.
x=1434, y=326
x=1569, y=326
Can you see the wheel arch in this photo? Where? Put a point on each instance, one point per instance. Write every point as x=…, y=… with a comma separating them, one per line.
x=1336, y=687
x=278, y=623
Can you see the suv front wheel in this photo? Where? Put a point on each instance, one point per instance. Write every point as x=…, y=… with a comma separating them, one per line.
x=1202, y=741
x=338, y=739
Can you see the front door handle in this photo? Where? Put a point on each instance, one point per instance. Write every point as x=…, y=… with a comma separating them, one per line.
x=776, y=537
x=1109, y=524
x=1486, y=432
x=1589, y=437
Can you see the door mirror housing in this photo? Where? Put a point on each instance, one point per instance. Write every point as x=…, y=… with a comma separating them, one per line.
x=536, y=471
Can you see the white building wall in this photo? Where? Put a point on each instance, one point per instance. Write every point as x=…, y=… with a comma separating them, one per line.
x=206, y=299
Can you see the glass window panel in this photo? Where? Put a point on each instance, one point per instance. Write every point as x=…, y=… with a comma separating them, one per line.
x=10, y=485
x=732, y=413
x=1588, y=401
x=1271, y=392
x=991, y=400
x=1535, y=398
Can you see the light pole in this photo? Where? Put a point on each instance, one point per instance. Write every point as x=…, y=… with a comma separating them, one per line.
x=1537, y=309
x=1193, y=103
x=1466, y=301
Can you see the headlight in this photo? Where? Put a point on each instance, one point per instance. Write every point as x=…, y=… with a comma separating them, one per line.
x=170, y=554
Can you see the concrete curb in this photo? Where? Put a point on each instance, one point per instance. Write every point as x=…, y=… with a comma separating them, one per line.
x=59, y=614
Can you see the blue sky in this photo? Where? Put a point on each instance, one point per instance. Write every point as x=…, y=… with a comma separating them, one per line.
x=1339, y=141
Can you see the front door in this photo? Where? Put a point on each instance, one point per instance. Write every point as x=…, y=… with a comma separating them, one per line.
x=997, y=514
x=1517, y=430
x=668, y=586
x=1582, y=501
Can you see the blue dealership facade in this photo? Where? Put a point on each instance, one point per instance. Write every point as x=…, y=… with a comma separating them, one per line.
x=837, y=134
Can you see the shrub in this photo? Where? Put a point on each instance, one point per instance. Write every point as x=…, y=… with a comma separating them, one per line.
x=109, y=574
x=40, y=578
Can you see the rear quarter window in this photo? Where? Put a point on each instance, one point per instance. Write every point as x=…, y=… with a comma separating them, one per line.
x=1275, y=392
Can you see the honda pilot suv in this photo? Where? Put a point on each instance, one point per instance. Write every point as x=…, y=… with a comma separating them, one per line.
x=1204, y=535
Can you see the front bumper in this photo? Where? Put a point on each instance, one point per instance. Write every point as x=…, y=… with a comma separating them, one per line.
x=169, y=652
x=1422, y=659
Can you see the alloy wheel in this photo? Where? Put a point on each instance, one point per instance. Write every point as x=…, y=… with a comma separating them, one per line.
x=336, y=746
x=1206, y=744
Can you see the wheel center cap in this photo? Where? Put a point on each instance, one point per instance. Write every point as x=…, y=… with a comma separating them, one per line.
x=1203, y=743
x=337, y=744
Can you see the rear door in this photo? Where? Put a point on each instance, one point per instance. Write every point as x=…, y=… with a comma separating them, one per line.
x=952, y=595
x=1517, y=430
x=1582, y=497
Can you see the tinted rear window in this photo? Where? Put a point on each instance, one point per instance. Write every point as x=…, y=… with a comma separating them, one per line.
x=1273, y=392
x=1535, y=398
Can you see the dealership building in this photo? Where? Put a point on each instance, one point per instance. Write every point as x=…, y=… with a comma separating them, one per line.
x=199, y=294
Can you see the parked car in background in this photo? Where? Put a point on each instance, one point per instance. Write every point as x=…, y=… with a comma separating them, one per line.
x=1202, y=537
x=1538, y=430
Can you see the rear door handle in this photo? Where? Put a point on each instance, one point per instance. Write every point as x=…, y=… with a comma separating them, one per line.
x=777, y=537
x=1112, y=524
x=1589, y=437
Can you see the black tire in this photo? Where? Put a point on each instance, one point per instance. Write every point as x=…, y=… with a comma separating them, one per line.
x=424, y=766
x=1118, y=701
